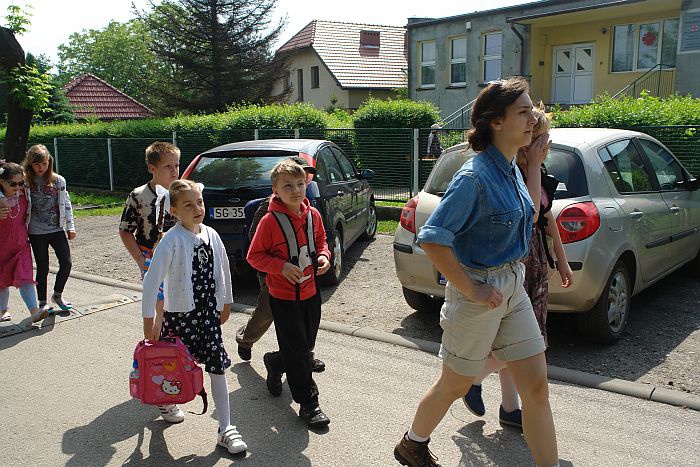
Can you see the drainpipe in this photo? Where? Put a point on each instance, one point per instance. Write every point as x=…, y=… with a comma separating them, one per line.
x=522, y=48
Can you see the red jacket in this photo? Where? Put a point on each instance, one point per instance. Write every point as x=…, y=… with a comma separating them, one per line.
x=268, y=250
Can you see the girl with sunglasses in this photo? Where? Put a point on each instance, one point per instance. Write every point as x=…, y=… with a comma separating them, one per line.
x=15, y=252
x=50, y=224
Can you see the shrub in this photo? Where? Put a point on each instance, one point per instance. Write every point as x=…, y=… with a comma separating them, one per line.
x=375, y=113
x=627, y=112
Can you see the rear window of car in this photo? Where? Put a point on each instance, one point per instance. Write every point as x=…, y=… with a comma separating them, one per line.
x=568, y=168
x=225, y=173
x=564, y=165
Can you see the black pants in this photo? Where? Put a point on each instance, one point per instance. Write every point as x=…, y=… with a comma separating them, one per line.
x=296, y=325
x=40, y=248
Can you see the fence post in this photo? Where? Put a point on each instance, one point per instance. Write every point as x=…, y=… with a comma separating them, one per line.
x=296, y=133
x=55, y=153
x=174, y=137
x=111, y=171
x=256, y=134
x=416, y=156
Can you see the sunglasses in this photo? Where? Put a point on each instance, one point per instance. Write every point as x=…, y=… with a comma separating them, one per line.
x=14, y=184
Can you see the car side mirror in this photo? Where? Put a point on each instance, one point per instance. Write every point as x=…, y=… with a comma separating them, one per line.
x=693, y=184
x=366, y=174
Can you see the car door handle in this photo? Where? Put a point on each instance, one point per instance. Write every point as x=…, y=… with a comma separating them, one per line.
x=636, y=214
x=675, y=209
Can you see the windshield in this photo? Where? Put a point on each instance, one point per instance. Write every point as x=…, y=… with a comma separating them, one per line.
x=226, y=173
x=564, y=165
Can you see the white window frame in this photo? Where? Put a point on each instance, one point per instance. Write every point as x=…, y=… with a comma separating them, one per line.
x=456, y=61
x=422, y=64
x=487, y=58
x=635, y=52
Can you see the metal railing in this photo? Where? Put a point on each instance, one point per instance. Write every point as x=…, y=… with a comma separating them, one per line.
x=460, y=118
x=658, y=81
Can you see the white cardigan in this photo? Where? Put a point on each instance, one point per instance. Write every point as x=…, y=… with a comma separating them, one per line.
x=172, y=265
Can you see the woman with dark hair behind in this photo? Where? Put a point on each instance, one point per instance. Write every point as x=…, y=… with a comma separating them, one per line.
x=476, y=238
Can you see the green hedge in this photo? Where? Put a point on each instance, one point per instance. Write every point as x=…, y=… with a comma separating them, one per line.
x=627, y=112
x=375, y=113
x=248, y=117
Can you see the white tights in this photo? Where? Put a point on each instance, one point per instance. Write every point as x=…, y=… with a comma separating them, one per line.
x=219, y=392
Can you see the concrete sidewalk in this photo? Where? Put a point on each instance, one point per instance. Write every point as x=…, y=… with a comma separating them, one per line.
x=65, y=389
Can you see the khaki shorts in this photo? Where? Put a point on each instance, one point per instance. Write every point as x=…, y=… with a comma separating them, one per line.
x=471, y=331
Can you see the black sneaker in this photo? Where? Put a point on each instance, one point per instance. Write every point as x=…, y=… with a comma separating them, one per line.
x=514, y=418
x=314, y=416
x=245, y=353
x=473, y=401
x=317, y=366
x=273, y=379
x=414, y=454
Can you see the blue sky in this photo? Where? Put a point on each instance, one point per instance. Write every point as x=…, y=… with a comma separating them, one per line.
x=54, y=20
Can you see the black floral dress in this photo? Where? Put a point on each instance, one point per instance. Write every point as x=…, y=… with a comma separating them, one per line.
x=200, y=329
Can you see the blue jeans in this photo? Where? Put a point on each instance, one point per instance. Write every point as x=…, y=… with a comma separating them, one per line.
x=27, y=292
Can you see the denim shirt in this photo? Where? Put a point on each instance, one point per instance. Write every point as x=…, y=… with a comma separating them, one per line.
x=486, y=214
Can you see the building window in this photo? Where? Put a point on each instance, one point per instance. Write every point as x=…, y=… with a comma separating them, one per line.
x=300, y=85
x=369, y=39
x=427, y=64
x=642, y=46
x=458, y=60
x=314, y=77
x=493, y=48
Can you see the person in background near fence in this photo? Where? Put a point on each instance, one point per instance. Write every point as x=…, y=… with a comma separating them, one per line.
x=476, y=237
x=536, y=272
x=291, y=270
x=192, y=261
x=434, y=146
x=261, y=319
x=15, y=252
x=50, y=223
x=139, y=228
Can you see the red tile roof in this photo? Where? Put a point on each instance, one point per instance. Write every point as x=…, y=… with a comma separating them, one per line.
x=354, y=66
x=91, y=96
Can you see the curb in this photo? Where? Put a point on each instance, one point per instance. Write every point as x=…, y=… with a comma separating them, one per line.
x=580, y=378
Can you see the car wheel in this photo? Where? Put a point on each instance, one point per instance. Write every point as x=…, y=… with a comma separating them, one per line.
x=422, y=302
x=332, y=277
x=606, y=321
x=371, y=227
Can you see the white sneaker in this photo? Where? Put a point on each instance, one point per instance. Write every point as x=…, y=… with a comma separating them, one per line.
x=171, y=413
x=231, y=440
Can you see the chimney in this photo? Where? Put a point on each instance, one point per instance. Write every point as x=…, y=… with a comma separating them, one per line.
x=369, y=39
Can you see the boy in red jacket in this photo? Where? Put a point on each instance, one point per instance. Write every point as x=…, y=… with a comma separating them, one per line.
x=294, y=300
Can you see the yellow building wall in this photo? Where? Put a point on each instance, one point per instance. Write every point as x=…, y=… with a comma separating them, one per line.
x=544, y=39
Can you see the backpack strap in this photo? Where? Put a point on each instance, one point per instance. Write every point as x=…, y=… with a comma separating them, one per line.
x=205, y=401
x=292, y=244
x=310, y=240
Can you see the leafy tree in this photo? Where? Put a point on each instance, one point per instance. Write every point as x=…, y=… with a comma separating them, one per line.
x=217, y=52
x=58, y=109
x=119, y=54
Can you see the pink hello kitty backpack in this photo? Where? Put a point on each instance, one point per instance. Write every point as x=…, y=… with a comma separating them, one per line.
x=164, y=372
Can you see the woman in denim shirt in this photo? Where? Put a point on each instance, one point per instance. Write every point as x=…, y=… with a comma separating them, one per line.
x=476, y=238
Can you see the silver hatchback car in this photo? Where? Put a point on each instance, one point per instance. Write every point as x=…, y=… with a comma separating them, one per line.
x=627, y=210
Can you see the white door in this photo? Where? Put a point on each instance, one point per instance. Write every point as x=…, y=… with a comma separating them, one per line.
x=572, y=73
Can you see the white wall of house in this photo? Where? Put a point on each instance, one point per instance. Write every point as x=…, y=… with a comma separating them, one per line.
x=318, y=97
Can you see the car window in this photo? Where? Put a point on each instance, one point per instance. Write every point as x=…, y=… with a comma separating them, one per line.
x=345, y=164
x=329, y=165
x=625, y=167
x=567, y=167
x=668, y=170
x=445, y=168
x=223, y=173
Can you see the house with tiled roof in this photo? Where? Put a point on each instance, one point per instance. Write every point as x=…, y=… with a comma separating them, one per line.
x=346, y=60
x=91, y=96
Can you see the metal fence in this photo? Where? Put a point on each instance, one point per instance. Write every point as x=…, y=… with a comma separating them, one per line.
x=396, y=155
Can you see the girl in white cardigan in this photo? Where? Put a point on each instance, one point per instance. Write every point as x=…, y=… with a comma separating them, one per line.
x=191, y=262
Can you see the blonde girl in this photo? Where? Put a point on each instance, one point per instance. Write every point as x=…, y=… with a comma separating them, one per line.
x=191, y=262
x=50, y=223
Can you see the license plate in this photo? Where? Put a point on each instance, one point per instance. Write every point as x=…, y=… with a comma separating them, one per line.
x=441, y=279
x=227, y=213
